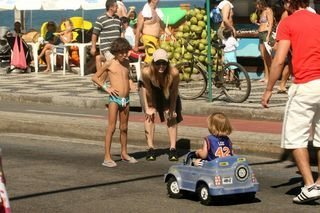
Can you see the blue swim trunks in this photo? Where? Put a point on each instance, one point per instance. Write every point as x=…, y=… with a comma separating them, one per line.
x=122, y=102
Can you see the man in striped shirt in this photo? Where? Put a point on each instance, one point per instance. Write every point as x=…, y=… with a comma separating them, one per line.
x=108, y=28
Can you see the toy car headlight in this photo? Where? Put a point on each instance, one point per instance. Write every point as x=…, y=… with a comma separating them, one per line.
x=242, y=173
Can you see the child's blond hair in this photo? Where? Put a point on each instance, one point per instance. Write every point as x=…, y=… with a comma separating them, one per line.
x=219, y=124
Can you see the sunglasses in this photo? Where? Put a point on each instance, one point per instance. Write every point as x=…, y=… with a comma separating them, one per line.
x=161, y=62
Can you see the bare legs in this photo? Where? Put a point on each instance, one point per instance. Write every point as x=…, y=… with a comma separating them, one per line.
x=318, y=155
x=301, y=157
x=284, y=78
x=48, y=60
x=45, y=48
x=99, y=61
x=112, y=120
x=149, y=131
x=150, y=128
x=124, y=118
x=172, y=131
x=266, y=61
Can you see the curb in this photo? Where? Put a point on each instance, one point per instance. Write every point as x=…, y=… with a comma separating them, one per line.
x=189, y=107
x=90, y=128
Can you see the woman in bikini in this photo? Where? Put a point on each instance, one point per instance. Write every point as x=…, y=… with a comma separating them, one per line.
x=65, y=36
x=118, y=89
x=265, y=23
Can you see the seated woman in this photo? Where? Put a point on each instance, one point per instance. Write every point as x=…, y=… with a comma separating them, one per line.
x=217, y=144
x=49, y=36
x=62, y=37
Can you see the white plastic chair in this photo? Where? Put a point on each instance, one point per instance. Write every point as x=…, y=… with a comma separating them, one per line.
x=65, y=57
x=136, y=66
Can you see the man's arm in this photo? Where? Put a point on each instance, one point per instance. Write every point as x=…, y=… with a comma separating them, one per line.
x=166, y=29
x=276, y=69
x=227, y=21
x=225, y=12
x=94, y=39
x=140, y=22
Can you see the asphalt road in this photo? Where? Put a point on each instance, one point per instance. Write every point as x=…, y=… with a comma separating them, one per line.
x=54, y=174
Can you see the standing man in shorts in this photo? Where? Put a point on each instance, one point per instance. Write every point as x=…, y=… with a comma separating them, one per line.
x=226, y=9
x=108, y=28
x=300, y=32
x=149, y=26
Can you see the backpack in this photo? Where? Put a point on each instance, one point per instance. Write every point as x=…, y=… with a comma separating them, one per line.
x=215, y=15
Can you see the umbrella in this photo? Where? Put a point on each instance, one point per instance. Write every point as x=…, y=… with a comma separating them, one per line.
x=20, y=4
x=60, y=4
x=52, y=5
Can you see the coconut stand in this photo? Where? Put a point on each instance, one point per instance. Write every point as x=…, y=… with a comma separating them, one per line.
x=194, y=26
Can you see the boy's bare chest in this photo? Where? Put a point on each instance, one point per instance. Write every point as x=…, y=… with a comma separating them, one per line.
x=118, y=70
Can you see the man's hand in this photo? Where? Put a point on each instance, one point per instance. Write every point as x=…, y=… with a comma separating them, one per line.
x=93, y=51
x=135, y=49
x=266, y=98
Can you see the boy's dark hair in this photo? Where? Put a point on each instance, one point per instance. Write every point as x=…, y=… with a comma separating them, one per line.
x=227, y=32
x=296, y=4
x=124, y=20
x=110, y=3
x=120, y=45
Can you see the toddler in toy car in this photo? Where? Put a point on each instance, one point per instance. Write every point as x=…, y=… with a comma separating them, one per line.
x=217, y=144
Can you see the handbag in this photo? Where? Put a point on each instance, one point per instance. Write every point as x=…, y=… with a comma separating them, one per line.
x=18, y=58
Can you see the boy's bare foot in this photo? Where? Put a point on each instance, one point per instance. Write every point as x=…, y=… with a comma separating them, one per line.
x=46, y=71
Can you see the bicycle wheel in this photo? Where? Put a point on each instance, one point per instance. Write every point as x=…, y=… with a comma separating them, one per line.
x=193, y=81
x=236, y=83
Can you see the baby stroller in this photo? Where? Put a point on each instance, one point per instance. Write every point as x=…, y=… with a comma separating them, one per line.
x=20, y=56
x=5, y=50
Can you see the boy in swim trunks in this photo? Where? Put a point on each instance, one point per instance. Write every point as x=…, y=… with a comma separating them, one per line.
x=117, y=70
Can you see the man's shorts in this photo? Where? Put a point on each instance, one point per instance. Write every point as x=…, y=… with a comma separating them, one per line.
x=107, y=54
x=301, y=113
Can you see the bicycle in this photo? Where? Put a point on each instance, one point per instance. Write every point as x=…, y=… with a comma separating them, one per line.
x=231, y=77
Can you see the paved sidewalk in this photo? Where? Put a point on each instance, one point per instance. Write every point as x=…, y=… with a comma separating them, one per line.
x=257, y=136
x=73, y=90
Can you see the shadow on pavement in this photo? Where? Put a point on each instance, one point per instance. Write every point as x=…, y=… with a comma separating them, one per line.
x=20, y=197
x=226, y=200
x=183, y=147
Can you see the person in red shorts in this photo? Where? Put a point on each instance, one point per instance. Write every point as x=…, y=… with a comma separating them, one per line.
x=300, y=32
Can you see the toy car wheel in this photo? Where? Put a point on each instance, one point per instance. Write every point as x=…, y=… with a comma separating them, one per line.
x=173, y=188
x=204, y=196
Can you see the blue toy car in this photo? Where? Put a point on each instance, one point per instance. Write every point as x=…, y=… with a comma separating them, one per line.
x=221, y=176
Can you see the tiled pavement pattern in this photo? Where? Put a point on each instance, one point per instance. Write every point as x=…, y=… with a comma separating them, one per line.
x=72, y=87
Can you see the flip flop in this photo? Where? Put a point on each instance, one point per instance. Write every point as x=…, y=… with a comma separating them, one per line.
x=130, y=160
x=109, y=163
x=282, y=91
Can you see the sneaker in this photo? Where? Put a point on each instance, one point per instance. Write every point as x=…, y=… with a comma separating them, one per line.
x=307, y=194
x=151, y=155
x=173, y=155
